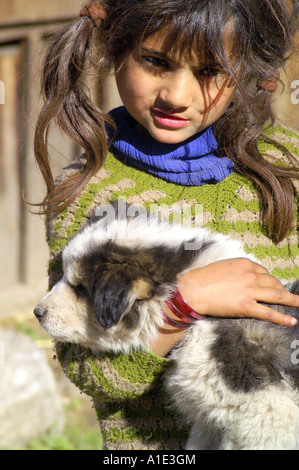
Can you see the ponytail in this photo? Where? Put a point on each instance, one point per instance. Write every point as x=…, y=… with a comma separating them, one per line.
x=67, y=104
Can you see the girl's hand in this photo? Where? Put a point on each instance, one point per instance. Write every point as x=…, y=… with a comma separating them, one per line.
x=229, y=288
x=234, y=288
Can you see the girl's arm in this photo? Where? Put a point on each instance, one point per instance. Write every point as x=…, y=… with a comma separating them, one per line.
x=229, y=288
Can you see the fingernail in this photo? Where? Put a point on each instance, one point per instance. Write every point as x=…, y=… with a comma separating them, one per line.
x=293, y=321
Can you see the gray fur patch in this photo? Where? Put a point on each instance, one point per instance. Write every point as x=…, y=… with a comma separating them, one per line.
x=251, y=354
x=244, y=364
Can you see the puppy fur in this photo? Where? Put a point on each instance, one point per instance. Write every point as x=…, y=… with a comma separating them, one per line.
x=235, y=381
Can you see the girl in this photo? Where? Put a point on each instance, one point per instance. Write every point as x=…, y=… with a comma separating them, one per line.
x=196, y=79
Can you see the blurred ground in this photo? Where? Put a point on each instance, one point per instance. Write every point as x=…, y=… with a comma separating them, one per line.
x=81, y=429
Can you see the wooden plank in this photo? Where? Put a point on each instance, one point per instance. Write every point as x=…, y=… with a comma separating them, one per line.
x=25, y=11
x=10, y=188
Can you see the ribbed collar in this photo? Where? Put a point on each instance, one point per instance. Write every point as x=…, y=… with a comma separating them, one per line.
x=192, y=163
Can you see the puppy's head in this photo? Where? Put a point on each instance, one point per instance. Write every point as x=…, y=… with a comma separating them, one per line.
x=114, y=278
x=108, y=298
x=97, y=304
x=116, y=273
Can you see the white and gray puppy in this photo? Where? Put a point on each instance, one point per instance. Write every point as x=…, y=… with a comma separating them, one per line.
x=235, y=381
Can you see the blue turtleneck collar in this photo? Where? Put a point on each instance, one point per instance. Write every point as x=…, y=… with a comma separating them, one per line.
x=191, y=163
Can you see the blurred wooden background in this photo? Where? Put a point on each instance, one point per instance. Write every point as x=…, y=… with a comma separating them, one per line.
x=24, y=27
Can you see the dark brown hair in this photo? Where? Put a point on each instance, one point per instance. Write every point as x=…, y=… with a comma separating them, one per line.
x=261, y=33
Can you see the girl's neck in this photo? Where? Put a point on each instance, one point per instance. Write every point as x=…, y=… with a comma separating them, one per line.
x=194, y=162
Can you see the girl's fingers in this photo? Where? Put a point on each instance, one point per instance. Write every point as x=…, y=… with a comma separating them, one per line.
x=262, y=312
x=274, y=296
x=279, y=296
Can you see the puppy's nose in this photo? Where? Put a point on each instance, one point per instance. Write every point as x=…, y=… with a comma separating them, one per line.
x=39, y=311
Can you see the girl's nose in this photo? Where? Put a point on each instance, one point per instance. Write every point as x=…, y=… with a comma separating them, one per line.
x=177, y=88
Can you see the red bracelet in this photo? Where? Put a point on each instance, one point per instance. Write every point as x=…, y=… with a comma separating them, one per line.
x=182, y=310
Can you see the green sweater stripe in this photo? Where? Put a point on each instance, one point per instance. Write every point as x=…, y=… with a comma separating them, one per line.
x=142, y=367
x=147, y=435
x=145, y=366
x=286, y=273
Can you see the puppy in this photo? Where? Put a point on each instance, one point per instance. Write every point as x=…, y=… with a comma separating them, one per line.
x=235, y=381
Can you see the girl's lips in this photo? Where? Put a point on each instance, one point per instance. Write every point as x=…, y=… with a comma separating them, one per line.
x=169, y=120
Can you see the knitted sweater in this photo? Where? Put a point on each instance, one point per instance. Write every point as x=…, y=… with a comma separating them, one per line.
x=127, y=389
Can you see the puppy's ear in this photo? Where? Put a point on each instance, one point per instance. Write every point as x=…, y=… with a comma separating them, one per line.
x=114, y=297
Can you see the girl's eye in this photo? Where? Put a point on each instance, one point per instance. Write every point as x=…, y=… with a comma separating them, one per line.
x=156, y=62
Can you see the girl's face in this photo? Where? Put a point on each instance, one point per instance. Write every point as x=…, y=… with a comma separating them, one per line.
x=173, y=98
